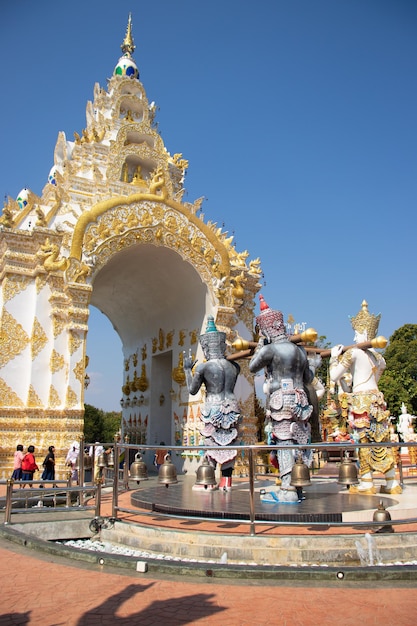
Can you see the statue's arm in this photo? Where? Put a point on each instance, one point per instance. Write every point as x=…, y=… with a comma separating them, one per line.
x=336, y=367
x=195, y=381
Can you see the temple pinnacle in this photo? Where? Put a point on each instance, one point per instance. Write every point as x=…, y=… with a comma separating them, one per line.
x=128, y=46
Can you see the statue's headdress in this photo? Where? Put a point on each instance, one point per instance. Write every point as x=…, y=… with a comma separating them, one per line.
x=366, y=321
x=270, y=322
x=213, y=341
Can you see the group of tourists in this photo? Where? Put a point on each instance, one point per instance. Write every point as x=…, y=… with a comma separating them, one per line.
x=25, y=466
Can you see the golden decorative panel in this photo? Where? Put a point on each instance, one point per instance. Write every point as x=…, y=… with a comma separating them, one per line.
x=57, y=361
x=13, y=285
x=13, y=339
x=54, y=399
x=39, y=338
x=8, y=397
x=79, y=370
x=72, y=398
x=58, y=325
x=41, y=281
x=75, y=342
x=34, y=400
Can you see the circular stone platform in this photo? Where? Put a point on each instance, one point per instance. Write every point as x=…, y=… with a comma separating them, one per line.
x=325, y=501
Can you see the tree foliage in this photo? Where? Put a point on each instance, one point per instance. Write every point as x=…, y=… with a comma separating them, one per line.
x=99, y=425
x=399, y=380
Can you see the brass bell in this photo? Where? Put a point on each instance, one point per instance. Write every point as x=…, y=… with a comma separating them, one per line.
x=138, y=469
x=300, y=474
x=102, y=460
x=382, y=515
x=167, y=473
x=110, y=460
x=348, y=473
x=205, y=474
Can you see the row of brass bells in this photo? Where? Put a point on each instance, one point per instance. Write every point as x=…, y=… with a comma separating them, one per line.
x=348, y=473
x=205, y=474
x=138, y=469
x=167, y=472
x=300, y=474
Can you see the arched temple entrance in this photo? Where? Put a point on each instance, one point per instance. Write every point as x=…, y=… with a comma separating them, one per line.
x=111, y=230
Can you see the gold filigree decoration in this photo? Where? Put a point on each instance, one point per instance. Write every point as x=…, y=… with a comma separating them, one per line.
x=34, y=401
x=72, y=398
x=161, y=339
x=170, y=338
x=57, y=361
x=41, y=281
x=54, y=400
x=8, y=398
x=58, y=325
x=13, y=339
x=178, y=374
x=13, y=285
x=74, y=342
x=39, y=338
x=79, y=371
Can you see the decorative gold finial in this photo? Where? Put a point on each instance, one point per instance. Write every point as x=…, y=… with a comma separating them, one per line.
x=128, y=46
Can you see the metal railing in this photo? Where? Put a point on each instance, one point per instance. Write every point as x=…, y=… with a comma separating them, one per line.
x=58, y=496
x=249, y=452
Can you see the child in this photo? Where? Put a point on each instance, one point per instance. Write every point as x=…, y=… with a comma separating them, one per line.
x=17, y=463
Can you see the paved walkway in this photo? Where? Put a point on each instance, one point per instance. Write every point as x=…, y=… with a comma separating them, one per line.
x=46, y=591
x=49, y=590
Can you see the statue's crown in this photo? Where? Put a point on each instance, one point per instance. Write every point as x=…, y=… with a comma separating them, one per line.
x=270, y=322
x=366, y=321
x=213, y=341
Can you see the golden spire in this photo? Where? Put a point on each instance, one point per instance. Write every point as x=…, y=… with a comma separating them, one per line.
x=128, y=46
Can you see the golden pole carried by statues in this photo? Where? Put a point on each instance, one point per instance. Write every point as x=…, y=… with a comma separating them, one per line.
x=247, y=348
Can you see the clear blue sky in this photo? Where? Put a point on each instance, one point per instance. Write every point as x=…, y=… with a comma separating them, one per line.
x=298, y=119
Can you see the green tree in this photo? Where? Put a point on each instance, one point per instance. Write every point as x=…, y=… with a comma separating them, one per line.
x=398, y=383
x=99, y=425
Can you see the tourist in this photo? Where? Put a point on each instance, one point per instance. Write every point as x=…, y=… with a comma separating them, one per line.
x=368, y=415
x=17, y=463
x=220, y=414
x=49, y=465
x=288, y=409
x=160, y=455
x=29, y=466
x=71, y=460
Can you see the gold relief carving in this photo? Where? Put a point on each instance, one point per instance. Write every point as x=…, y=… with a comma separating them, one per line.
x=58, y=325
x=142, y=383
x=8, y=397
x=146, y=218
x=154, y=344
x=72, y=398
x=178, y=374
x=54, y=399
x=193, y=336
x=75, y=342
x=158, y=212
x=34, y=400
x=126, y=387
x=135, y=359
x=181, y=338
x=144, y=352
x=52, y=261
x=13, y=339
x=39, y=338
x=41, y=280
x=170, y=337
x=79, y=371
x=161, y=339
x=57, y=361
x=127, y=364
x=12, y=285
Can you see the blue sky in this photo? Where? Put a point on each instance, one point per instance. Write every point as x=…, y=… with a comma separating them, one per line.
x=297, y=117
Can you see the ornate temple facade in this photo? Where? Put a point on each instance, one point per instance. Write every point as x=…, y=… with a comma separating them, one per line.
x=111, y=230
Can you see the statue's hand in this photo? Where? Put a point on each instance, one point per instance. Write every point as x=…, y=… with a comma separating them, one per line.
x=336, y=351
x=188, y=361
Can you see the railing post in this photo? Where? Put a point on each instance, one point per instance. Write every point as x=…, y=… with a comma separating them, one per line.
x=251, y=493
x=8, y=510
x=98, y=498
x=115, y=499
